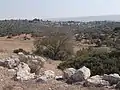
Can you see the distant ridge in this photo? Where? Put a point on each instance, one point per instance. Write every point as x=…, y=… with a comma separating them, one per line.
x=90, y=18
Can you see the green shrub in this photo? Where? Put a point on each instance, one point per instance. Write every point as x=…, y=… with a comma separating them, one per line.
x=83, y=52
x=55, y=46
x=100, y=50
x=98, y=63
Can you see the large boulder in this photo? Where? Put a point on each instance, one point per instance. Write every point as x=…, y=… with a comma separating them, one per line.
x=11, y=62
x=81, y=74
x=67, y=73
x=23, y=72
x=112, y=78
x=34, y=62
x=97, y=81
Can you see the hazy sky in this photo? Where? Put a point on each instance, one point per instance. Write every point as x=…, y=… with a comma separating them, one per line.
x=30, y=9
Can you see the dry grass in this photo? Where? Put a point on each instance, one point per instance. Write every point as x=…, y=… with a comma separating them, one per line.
x=8, y=45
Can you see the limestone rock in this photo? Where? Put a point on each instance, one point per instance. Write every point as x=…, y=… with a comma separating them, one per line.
x=48, y=75
x=11, y=62
x=23, y=72
x=42, y=79
x=20, y=53
x=81, y=74
x=12, y=72
x=97, y=81
x=59, y=77
x=68, y=73
x=112, y=78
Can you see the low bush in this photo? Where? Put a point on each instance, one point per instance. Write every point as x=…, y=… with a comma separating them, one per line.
x=99, y=64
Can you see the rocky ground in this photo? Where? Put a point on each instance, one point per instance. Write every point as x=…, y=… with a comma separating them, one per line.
x=7, y=83
x=16, y=76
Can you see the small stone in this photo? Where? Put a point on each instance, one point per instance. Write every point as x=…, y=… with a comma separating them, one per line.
x=1, y=80
x=20, y=53
x=49, y=88
x=59, y=77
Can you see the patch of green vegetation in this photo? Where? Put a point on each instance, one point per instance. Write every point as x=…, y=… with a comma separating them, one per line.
x=99, y=64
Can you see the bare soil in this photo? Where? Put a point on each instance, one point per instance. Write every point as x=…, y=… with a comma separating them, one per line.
x=8, y=45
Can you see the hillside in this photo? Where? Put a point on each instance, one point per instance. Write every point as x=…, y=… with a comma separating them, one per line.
x=37, y=26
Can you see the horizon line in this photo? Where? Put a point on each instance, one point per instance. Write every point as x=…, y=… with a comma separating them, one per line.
x=59, y=17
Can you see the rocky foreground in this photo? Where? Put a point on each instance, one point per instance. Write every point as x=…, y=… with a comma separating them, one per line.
x=28, y=72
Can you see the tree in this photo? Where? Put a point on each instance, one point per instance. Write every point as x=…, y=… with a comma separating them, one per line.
x=55, y=46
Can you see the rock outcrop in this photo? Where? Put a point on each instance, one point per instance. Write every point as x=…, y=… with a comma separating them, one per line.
x=34, y=62
x=24, y=66
x=29, y=67
x=23, y=72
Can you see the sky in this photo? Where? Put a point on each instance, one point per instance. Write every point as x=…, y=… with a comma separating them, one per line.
x=43, y=9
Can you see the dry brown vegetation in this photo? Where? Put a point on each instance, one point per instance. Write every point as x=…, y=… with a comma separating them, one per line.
x=8, y=45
